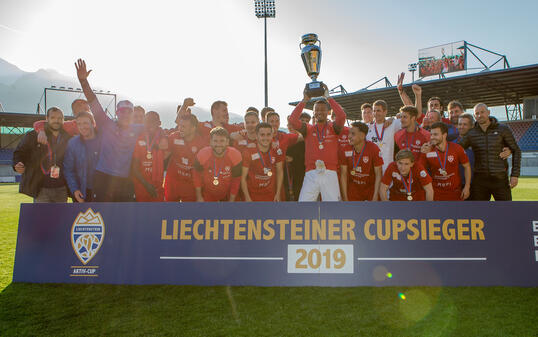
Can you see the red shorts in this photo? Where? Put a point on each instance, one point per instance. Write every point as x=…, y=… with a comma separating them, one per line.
x=447, y=195
x=142, y=194
x=363, y=195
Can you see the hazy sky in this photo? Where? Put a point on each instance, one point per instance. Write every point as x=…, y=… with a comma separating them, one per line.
x=167, y=50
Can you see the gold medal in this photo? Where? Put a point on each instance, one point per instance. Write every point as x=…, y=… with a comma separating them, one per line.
x=215, y=181
x=148, y=155
x=320, y=146
x=409, y=198
x=352, y=172
x=443, y=172
x=269, y=173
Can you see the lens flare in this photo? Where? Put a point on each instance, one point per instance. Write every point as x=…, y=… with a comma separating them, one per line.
x=402, y=296
x=389, y=275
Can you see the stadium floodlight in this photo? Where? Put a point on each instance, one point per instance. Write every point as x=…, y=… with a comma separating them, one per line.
x=412, y=68
x=265, y=9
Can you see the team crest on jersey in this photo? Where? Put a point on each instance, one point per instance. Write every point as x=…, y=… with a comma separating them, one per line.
x=142, y=142
x=185, y=161
x=194, y=149
x=279, y=152
x=227, y=168
x=423, y=174
x=450, y=158
x=87, y=234
x=344, y=136
x=179, y=142
x=418, y=142
x=365, y=159
x=396, y=175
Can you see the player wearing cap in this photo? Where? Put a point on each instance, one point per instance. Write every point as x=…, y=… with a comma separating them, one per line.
x=262, y=168
x=443, y=161
x=360, y=166
x=148, y=160
x=111, y=180
x=321, y=148
x=411, y=136
x=217, y=169
x=184, y=144
x=407, y=179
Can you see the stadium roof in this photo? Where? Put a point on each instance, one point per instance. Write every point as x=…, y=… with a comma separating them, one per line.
x=493, y=87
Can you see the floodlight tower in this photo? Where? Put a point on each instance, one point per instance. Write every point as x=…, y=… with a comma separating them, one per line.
x=412, y=68
x=265, y=9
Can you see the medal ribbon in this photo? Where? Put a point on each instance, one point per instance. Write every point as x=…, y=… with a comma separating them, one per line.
x=320, y=138
x=148, y=149
x=412, y=140
x=408, y=187
x=261, y=159
x=355, y=164
x=50, y=156
x=443, y=164
x=215, y=173
x=379, y=139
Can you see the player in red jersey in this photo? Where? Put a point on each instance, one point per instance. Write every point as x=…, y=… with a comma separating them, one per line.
x=443, y=160
x=217, y=169
x=281, y=139
x=219, y=117
x=360, y=166
x=263, y=172
x=184, y=144
x=407, y=179
x=148, y=160
x=321, y=148
x=249, y=138
x=411, y=136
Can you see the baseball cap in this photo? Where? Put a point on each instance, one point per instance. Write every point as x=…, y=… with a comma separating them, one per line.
x=125, y=104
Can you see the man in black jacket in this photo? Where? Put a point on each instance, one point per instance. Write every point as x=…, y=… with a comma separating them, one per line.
x=41, y=165
x=488, y=138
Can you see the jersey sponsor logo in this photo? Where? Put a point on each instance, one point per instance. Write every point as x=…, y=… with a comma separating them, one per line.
x=87, y=234
x=185, y=161
x=251, y=145
x=431, y=154
x=423, y=174
x=255, y=156
x=242, y=142
x=179, y=142
x=142, y=142
x=396, y=175
x=450, y=158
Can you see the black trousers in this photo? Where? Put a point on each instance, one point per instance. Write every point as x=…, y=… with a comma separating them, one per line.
x=485, y=185
x=107, y=188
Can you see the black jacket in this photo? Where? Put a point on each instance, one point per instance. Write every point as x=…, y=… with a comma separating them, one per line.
x=489, y=144
x=31, y=154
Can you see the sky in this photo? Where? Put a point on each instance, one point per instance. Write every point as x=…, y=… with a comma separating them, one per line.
x=213, y=50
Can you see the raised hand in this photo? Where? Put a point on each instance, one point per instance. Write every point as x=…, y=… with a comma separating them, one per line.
x=417, y=90
x=326, y=90
x=188, y=102
x=82, y=73
x=306, y=98
x=400, y=81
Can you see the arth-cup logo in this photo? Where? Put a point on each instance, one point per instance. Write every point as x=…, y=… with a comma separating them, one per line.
x=87, y=234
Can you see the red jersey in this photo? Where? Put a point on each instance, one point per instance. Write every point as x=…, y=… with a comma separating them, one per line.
x=343, y=137
x=283, y=140
x=412, y=140
x=150, y=165
x=360, y=168
x=218, y=177
x=245, y=144
x=321, y=141
x=443, y=119
x=445, y=172
x=398, y=191
x=178, y=184
x=205, y=127
x=261, y=178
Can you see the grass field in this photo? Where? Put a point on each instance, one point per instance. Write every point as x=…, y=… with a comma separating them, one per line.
x=105, y=310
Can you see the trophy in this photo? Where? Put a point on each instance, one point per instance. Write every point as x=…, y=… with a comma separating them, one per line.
x=311, y=55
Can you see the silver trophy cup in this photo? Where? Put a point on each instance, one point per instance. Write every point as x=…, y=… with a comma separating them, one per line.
x=311, y=55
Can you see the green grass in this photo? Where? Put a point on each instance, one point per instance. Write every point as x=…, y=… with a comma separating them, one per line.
x=106, y=310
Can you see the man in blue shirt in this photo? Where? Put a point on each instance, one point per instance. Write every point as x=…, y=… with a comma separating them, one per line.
x=81, y=158
x=118, y=138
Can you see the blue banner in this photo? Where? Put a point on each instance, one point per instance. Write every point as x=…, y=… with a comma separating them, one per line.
x=280, y=244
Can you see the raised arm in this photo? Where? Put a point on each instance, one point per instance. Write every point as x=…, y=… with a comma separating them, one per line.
x=97, y=109
x=295, y=120
x=403, y=96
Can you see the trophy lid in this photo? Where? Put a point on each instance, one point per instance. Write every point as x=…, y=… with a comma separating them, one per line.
x=309, y=38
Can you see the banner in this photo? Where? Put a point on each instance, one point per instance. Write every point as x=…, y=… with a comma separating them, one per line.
x=280, y=244
x=442, y=59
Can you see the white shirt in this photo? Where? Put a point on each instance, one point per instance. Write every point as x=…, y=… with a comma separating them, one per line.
x=386, y=145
